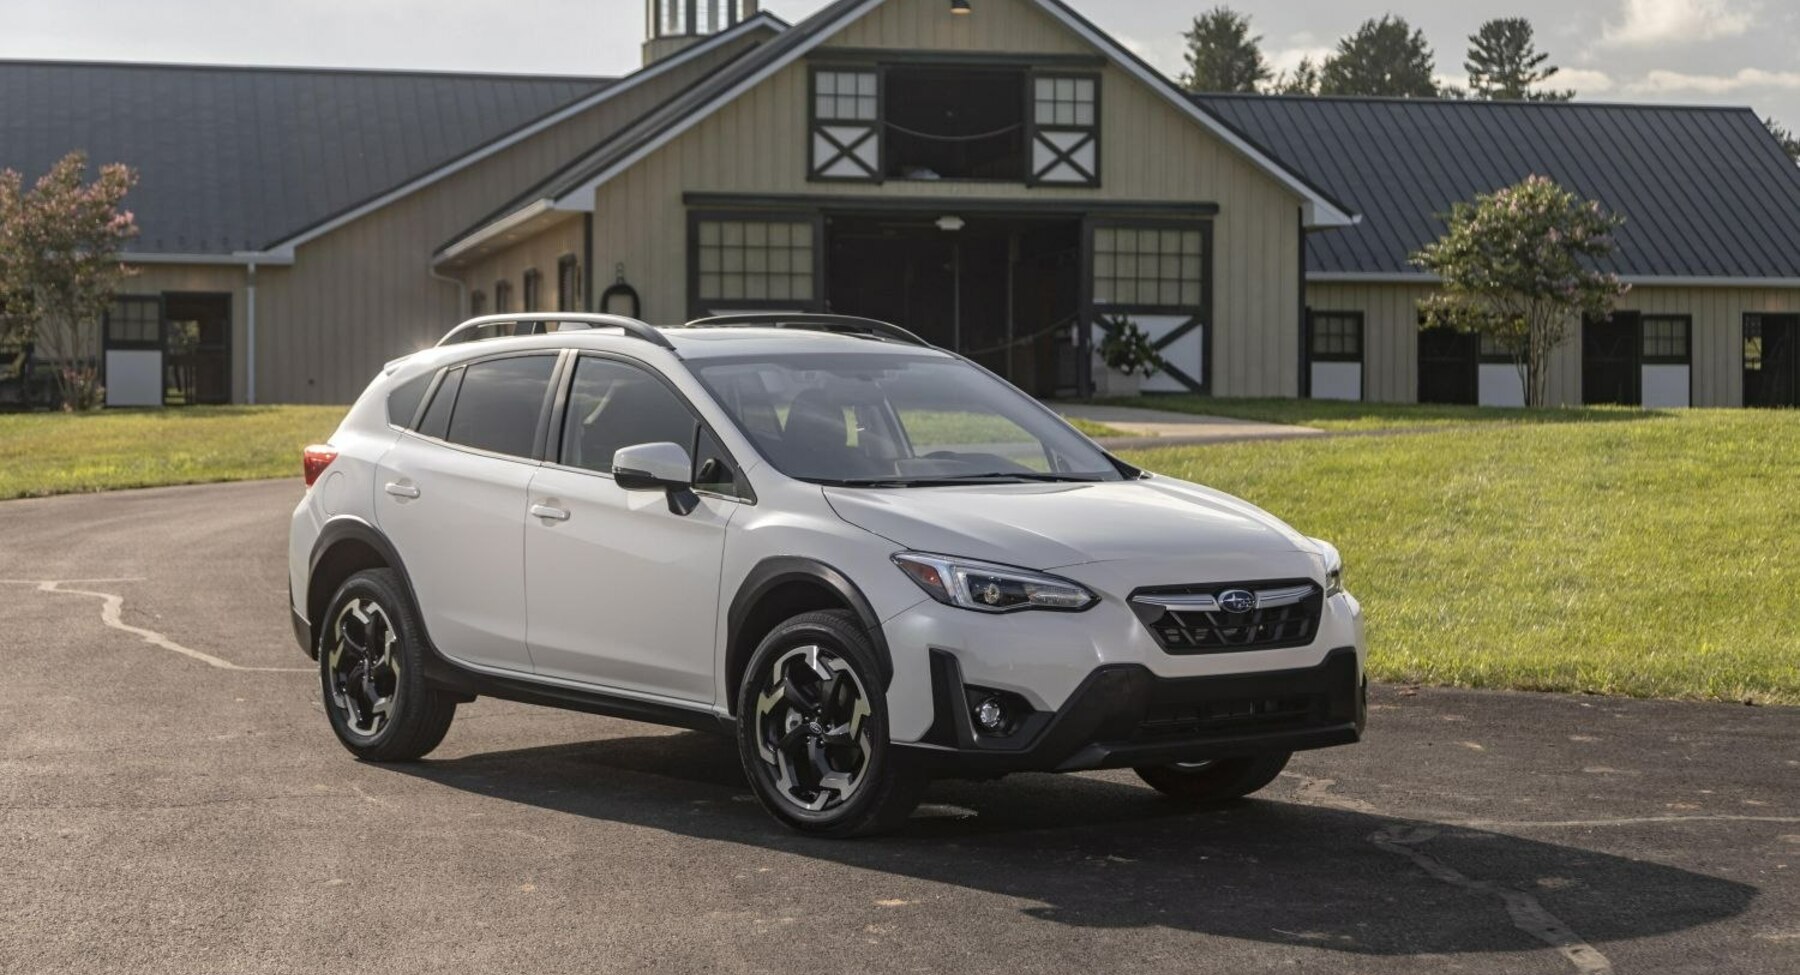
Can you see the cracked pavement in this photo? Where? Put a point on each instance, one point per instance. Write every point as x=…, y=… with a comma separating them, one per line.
x=169, y=811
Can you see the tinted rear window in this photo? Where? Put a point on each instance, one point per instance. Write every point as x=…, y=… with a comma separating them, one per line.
x=403, y=403
x=500, y=404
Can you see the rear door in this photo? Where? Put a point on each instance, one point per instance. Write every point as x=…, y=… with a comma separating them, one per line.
x=624, y=591
x=452, y=499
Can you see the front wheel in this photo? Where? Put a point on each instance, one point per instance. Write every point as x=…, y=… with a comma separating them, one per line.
x=813, y=731
x=1216, y=781
x=372, y=673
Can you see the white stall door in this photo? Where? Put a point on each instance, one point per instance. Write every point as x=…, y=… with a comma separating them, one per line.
x=134, y=377
x=1337, y=380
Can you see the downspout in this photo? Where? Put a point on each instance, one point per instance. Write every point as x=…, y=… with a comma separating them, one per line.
x=462, y=290
x=250, y=333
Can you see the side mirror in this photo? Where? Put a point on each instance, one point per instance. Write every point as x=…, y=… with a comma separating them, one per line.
x=654, y=467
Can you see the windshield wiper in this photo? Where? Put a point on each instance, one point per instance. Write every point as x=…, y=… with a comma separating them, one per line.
x=953, y=480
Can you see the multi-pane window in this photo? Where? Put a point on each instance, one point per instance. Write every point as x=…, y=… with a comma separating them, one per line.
x=134, y=320
x=1161, y=268
x=568, y=285
x=1066, y=102
x=1337, y=336
x=1666, y=338
x=503, y=298
x=845, y=96
x=534, y=291
x=755, y=260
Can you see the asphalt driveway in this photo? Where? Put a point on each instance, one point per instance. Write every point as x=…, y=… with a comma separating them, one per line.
x=171, y=800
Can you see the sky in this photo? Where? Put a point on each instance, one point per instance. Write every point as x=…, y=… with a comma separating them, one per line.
x=1737, y=52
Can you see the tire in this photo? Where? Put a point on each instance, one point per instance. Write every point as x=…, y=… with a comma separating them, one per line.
x=1215, y=782
x=813, y=731
x=381, y=709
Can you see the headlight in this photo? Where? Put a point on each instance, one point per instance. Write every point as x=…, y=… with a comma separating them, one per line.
x=989, y=588
x=1334, y=568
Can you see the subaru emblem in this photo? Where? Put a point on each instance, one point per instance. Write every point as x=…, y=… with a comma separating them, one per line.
x=1237, y=601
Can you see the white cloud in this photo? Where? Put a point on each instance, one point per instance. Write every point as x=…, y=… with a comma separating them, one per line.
x=1289, y=58
x=1654, y=23
x=1585, y=81
x=1663, y=82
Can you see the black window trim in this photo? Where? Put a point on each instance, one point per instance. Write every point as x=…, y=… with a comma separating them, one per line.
x=1312, y=332
x=1687, y=325
x=538, y=436
x=550, y=452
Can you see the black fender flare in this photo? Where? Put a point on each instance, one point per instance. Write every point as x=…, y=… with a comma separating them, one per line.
x=350, y=528
x=774, y=572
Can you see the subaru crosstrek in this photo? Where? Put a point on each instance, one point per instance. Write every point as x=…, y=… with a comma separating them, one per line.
x=870, y=560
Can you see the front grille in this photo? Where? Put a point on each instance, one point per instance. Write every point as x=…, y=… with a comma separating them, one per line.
x=1207, y=619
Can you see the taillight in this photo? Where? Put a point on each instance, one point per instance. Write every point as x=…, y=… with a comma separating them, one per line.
x=315, y=460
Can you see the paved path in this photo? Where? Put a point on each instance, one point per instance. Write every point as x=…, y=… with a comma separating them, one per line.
x=1166, y=428
x=172, y=801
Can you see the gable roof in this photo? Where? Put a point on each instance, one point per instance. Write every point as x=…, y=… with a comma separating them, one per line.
x=232, y=159
x=572, y=187
x=1706, y=193
x=251, y=162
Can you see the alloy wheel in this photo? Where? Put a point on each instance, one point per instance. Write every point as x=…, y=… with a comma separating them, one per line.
x=812, y=729
x=362, y=667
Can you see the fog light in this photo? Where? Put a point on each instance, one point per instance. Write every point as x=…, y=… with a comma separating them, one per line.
x=990, y=714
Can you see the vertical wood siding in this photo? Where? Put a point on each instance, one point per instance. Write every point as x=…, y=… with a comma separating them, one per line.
x=364, y=293
x=1392, y=344
x=1152, y=152
x=543, y=253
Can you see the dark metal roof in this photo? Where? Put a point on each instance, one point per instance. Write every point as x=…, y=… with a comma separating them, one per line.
x=233, y=159
x=1706, y=192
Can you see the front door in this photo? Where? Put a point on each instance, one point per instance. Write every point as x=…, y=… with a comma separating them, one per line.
x=197, y=330
x=1772, y=360
x=1611, y=373
x=623, y=588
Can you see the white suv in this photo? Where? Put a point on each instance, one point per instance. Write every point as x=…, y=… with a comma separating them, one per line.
x=870, y=560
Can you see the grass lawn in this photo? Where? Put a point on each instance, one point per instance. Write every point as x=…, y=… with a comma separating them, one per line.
x=1329, y=415
x=1654, y=556
x=53, y=453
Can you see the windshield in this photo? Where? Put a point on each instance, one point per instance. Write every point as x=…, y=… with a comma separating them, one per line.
x=896, y=420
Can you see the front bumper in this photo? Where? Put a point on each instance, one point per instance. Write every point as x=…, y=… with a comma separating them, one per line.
x=1123, y=715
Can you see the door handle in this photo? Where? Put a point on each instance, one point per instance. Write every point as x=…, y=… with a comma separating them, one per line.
x=549, y=513
x=405, y=492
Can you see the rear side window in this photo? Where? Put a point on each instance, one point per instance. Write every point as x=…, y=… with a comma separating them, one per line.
x=403, y=403
x=436, y=421
x=500, y=404
x=613, y=406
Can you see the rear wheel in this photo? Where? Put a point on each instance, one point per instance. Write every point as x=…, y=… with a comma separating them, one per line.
x=371, y=670
x=1217, y=781
x=813, y=731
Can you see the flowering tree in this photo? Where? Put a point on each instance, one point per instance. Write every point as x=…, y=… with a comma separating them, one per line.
x=59, y=265
x=1518, y=266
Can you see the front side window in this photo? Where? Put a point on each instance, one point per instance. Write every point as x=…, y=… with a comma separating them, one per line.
x=1336, y=337
x=501, y=403
x=755, y=261
x=881, y=419
x=134, y=320
x=612, y=406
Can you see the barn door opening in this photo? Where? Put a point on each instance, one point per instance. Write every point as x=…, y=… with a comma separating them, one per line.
x=1611, y=372
x=1772, y=360
x=197, y=345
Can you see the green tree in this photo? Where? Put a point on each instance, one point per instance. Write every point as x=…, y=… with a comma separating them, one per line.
x=1303, y=80
x=1504, y=64
x=1384, y=57
x=59, y=266
x=1221, y=54
x=1518, y=265
x=1785, y=136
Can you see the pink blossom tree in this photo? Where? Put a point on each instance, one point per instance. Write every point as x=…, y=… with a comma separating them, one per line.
x=59, y=267
x=1520, y=266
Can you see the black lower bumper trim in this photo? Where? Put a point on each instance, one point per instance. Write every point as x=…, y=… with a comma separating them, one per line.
x=1124, y=716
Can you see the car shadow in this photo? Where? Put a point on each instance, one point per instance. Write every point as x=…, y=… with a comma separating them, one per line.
x=1098, y=853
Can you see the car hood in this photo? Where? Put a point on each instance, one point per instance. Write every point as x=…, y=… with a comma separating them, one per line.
x=1050, y=526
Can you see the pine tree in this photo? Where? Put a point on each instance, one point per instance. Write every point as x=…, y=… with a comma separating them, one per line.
x=1303, y=80
x=1385, y=57
x=1785, y=136
x=1222, y=56
x=1504, y=64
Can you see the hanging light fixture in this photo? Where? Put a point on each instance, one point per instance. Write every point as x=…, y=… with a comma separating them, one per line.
x=961, y=8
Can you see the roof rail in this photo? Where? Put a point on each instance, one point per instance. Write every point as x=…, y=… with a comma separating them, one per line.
x=840, y=324
x=540, y=320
